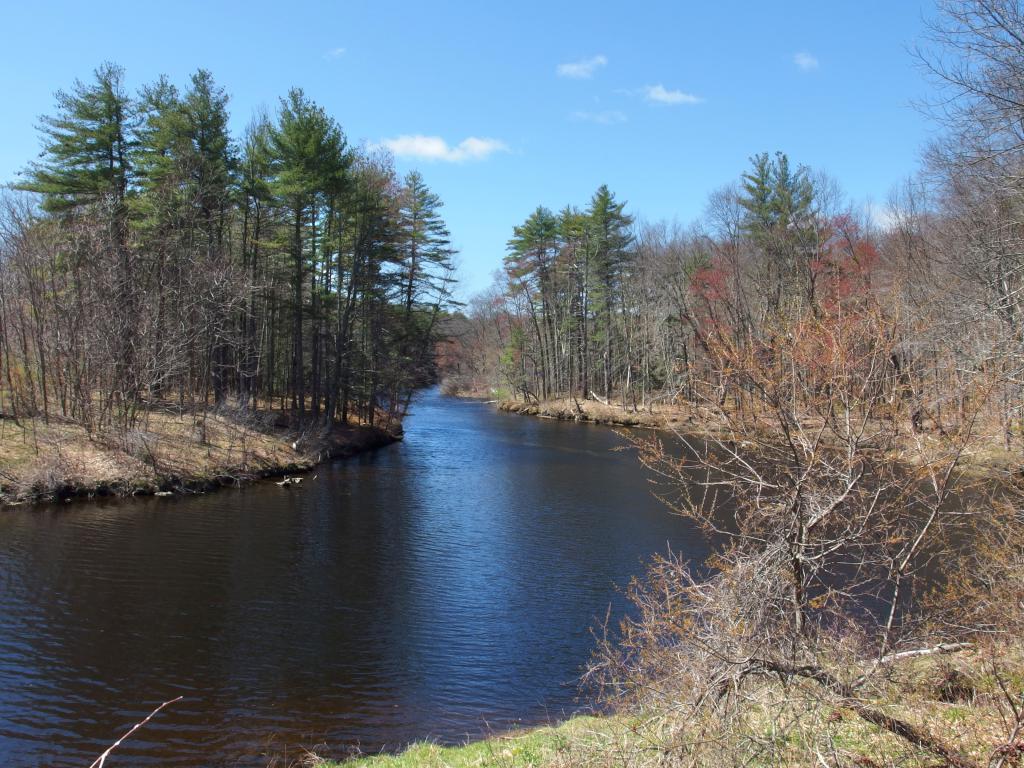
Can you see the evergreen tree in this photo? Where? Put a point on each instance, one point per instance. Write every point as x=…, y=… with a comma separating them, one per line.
x=758, y=196
x=427, y=272
x=209, y=160
x=530, y=263
x=611, y=237
x=368, y=251
x=254, y=177
x=86, y=146
x=426, y=246
x=156, y=155
x=779, y=219
x=310, y=163
x=574, y=234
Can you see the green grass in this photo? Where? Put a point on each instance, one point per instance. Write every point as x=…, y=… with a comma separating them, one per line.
x=517, y=749
x=792, y=726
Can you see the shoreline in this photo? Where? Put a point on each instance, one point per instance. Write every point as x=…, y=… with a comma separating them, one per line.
x=57, y=462
x=985, y=459
x=593, y=412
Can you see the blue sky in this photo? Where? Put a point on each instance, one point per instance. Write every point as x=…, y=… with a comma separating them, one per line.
x=504, y=106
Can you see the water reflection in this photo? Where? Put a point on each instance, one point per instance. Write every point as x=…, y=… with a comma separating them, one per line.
x=435, y=588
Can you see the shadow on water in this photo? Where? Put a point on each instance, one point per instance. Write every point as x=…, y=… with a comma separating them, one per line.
x=436, y=588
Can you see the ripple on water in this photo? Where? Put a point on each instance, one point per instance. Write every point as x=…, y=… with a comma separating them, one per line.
x=440, y=587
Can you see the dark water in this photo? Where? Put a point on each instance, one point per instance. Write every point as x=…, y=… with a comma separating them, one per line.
x=441, y=587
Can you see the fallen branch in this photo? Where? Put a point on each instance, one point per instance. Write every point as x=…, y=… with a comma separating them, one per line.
x=940, y=648
x=848, y=698
x=103, y=758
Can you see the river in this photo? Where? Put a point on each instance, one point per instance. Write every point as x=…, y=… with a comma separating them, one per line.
x=442, y=588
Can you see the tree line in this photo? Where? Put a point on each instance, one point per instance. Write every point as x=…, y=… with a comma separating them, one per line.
x=595, y=303
x=150, y=256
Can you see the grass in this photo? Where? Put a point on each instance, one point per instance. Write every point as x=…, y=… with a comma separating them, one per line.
x=167, y=450
x=985, y=458
x=599, y=413
x=794, y=726
x=533, y=747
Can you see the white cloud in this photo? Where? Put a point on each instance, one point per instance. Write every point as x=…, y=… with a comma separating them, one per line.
x=659, y=94
x=334, y=53
x=609, y=117
x=805, y=61
x=882, y=216
x=436, y=148
x=582, y=69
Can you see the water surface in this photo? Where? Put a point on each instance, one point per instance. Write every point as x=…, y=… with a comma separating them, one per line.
x=438, y=588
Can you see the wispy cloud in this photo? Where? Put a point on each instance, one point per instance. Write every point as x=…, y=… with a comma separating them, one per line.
x=435, y=148
x=582, y=69
x=805, y=61
x=334, y=53
x=659, y=94
x=609, y=117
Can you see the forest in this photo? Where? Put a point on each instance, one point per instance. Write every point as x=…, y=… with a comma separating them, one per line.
x=835, y=391
x=149, y=257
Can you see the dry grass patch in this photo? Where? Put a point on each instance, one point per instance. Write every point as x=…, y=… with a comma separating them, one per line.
x=167, y=449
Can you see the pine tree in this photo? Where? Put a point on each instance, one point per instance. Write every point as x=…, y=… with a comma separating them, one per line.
x=779, y=220
x=86, y=146
x=574, y=234
x=210, y=161
x=156, y=157
x=255, y=176
x=612, y=238
x=367, y=251
x=310, y=163
x=426, y=246
x=758, y=196
x=530, y=263
x=426, y=270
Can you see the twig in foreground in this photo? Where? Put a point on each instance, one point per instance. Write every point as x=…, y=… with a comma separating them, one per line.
x=103, y=758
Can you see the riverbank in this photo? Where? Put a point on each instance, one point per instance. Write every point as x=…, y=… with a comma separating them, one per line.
x=168, y=452
x=564, y=409
x=986, y=457
x=958, y=698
